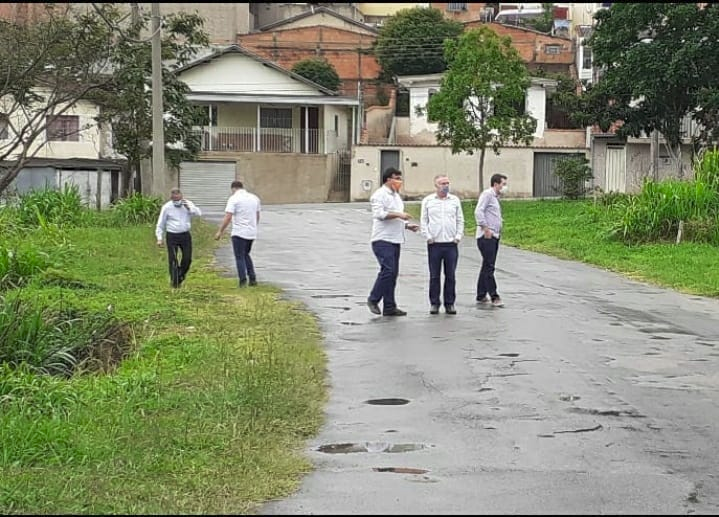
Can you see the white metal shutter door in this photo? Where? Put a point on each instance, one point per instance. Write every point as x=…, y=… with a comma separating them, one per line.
x=207, y=184
x=616, y=170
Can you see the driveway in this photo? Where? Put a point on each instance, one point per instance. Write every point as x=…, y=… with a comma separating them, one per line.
x=586, y=394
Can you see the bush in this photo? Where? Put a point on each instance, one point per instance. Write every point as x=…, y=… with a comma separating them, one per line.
x=61, y=207
x=319, y=71
x=574, y=172
x=706, y=169
x=137, y=209
x=18, y=264
x=59, y=341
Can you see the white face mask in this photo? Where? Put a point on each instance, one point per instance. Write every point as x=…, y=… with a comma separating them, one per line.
x=504, y=189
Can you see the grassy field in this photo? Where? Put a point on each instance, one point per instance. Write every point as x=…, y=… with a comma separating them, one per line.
x=571, y=230
x=207, y=414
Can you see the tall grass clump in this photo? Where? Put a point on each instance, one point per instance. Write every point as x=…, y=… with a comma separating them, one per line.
x=137, y=209
x=51, y=206
x=20, y=263
x=706, y=169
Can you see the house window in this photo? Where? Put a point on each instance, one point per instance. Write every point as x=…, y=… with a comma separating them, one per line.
x=276, y=118
x=63, y=128
x=457, y=6
x=337, y=124
x=587, y=58
x=552, y=49
x=4, y=126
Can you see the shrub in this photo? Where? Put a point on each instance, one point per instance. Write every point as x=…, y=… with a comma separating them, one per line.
x=706, y=169
x=18, y=264
x=137, y=209
x=61, y=207
x=574, y=172
x=319, y=71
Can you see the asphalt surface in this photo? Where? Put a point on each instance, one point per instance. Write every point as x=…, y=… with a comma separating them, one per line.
x=586, y=394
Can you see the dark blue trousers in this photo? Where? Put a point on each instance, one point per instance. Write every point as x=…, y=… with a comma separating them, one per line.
x=447, y=254
x=486, y=283
x=243, y=261
x=387, y=254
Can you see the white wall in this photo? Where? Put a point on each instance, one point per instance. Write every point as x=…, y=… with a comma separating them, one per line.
x=237, y=73
x=86, y=181
x=536, y=107
x=342, y=139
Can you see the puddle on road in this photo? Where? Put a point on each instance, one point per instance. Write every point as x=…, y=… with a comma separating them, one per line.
x=348, y=448
x=387, y=402
x=606, y=412
x=350, y=323
x=331, y=295
x=400, y=470
x=509, y=355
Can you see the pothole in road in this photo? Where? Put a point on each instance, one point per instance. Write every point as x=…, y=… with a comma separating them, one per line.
x=350, y=323
x=331, y=296
x=480, y=390
x=400, y=470
x=509, y=355
x=348, y=448
x=387, y=402
x=606, y=412
x=569, y=398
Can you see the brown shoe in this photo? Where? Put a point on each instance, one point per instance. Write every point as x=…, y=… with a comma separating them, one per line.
x=395, y=312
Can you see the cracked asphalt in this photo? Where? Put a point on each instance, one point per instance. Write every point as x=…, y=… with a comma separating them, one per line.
x=587, y=393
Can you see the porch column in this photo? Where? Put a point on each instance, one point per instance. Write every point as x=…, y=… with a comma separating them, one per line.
x=257, y=130
x=324, y=130
x=307, y=132
x=353, y=140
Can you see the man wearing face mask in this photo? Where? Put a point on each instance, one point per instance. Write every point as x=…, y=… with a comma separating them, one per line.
x=442, y=226
x=488, y=216
x=175, y=222
x=389, y=221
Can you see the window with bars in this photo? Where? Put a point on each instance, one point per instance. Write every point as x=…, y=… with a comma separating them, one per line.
x=4, y=126
x=586, y=58
x=63, y=128
x=552, y=49
x=276, y=118
x=457, y=6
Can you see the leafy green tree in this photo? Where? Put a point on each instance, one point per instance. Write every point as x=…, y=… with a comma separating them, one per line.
x=127, y=100
x=543, y=22
x=481, y=97
x=658, y=64
x=574, y=172
x=411, y=41
x=47, y=67
x=319, y=71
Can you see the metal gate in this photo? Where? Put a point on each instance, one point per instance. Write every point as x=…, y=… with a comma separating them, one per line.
x=545, y=183
x=207, y=184
x=615, y=179
x=340, y=190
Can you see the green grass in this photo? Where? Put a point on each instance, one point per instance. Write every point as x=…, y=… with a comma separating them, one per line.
x=571, y=230
x=209, y=413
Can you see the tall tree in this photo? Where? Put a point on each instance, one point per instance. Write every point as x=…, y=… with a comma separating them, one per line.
x=481, y=97
x=659, y=64
x=126, y=101
x=47, y=67
x=319, y=71
x=411, y=41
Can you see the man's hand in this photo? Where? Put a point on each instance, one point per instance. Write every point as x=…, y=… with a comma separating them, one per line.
x=487, y=233
x=218, y=235
x=430, y=241
x=413, y=227
x=159, y=243
x=186, y=204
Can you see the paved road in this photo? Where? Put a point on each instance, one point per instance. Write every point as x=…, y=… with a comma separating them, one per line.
x=586, y=394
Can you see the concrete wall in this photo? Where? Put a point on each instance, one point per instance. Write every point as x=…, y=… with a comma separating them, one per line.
x=420, y=164
x=285, y=178
x=472, y=12
x=638, y=163
x=268, y=12
x=223, y=22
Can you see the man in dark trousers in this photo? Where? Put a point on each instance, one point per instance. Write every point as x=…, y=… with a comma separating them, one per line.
x=175, y=222
x=442, y=226
x=488, y=216
x=389, y=221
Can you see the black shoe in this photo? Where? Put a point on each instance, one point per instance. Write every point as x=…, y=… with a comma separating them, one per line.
x=253, y=281
x=243, y=283
x=373, y=307
x=434, y=309
x=395, y=312
x=484, y=300
x=449, y=309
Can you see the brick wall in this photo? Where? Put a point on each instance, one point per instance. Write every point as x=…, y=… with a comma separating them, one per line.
x=338, y=46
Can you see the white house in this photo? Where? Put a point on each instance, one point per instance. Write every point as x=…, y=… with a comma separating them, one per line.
x=414, y=149
x=72, y=149
x=280, y=133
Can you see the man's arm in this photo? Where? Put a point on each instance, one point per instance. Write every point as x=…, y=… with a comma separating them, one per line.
x=379, y=211
x=460, y=221
x=424, y=221
x=193, y=209
x=479, y=213
x=225, y=221
x=161, y=222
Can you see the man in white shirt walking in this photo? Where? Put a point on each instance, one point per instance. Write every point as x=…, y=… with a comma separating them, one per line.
x=175, y=222
x=243, y=209
x=389, y=221
x=442, y=226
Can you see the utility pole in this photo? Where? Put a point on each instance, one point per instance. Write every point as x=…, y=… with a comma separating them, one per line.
x=157, y=185
x=654, y=152
x=133, y=181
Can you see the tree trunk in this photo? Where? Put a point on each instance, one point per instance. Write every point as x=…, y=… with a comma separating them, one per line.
x=481, y=170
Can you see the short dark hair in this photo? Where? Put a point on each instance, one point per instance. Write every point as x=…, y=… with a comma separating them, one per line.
x=389, y=172
x=496, y=179
x=236, y=184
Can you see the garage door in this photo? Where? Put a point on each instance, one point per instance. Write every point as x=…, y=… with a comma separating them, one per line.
x=546, y=184
x=207, y=184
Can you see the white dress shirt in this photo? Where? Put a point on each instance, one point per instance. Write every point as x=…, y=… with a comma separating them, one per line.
x=174, y=219
x=442, y=219
x=488, y=213
x=383, y=201
x=244, y=207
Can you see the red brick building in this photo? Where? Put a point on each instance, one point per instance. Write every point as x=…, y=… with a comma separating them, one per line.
x=343, y=42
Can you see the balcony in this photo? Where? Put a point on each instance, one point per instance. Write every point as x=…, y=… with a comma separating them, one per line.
x=271, y=140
